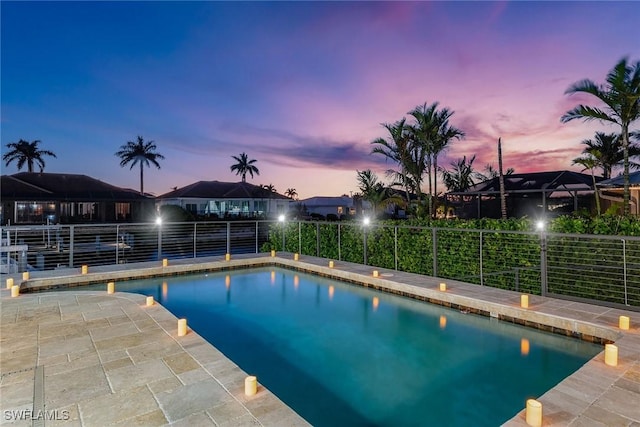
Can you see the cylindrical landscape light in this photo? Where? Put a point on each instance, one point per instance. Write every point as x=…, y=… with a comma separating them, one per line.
x=273, y=253
x=165, y=262
x=25, y=275
x=533, y=413
x=443, y=287
x=376, y=273
x=9, y=283
x=611, y=355
x=111, y=287
x=331, y=264
x=182, y=327
x=15, y=291
x=524, y=301
x=296, y=256
x=250, y=385
x=149, y=301
x=85, y=269
x=227, y=257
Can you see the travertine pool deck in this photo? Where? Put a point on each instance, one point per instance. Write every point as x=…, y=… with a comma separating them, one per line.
x=101, y=359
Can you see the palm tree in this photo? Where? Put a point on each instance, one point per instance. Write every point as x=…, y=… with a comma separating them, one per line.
x=607, y=148
x=26, y=152
x=461, y=177
x=375, y=192
x=244, y=166
x=432, y=135
x=398, y=150
x=291, y=193
x=590, y=161
x=444, y=135
x=270, y=188
x=621, y=97
x=423, y=141
x=139, y=152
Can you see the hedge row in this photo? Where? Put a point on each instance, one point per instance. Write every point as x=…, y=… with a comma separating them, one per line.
x=504, y=254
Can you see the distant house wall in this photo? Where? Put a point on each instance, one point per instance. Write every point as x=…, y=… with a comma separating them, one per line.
x=228, y=207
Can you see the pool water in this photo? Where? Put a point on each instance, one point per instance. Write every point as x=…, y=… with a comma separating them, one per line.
x=341, y=355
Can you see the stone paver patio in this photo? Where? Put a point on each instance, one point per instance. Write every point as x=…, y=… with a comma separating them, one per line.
x=91, y=359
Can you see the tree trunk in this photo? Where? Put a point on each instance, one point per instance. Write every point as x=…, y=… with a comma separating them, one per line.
x=595, y=189
x=435, y=184
x=503, y=196
x=625, y=151
x=141, y=179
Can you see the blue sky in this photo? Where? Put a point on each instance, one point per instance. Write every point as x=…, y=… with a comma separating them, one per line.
x=302, y=87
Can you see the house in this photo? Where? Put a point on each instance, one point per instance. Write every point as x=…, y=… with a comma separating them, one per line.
x=40, y=198
x=216, y=199
x=612, y=190
x=527, y=194
x=323, y=205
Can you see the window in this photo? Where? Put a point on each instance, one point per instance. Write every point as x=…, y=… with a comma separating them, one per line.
x=340, y=210
x=35, y=212
x=123, y=211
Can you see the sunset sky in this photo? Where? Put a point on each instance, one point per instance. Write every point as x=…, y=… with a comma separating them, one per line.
x=302, y=87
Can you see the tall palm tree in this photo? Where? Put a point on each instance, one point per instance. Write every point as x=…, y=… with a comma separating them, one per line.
x=397, y=149
x=621, y=98
x=291, y=193
x=26, y=152
x=444, y=135
x=432, y=135
x=590, y=161
x=244, y=166
x=423, y=141
x=607, y=148
x=139, y=152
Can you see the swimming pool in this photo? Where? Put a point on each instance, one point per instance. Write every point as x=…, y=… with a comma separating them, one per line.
x=343, y=355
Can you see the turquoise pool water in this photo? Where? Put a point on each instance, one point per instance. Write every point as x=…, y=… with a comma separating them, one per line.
x=341, y=355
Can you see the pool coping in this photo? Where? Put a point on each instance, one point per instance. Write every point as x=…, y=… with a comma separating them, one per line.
x=588, y=396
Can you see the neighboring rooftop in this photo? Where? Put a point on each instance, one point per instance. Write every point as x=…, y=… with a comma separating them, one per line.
x=35, y=186
x=222, y=190
x=536, y=182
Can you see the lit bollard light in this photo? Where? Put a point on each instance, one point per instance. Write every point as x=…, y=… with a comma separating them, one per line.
x=25, y=275
x=182, y=327
x=111, y=287
x=165, y=262
x=84, y=269
x=227, y=257
x=533, y=413
x=9, y=283
x=376, y=273
x=296, y=257
x=250, y=385
x=443, y=287
x=524, y=301
x=15, y=291
x=611, y=355
x=624, y=323
x=149, y=301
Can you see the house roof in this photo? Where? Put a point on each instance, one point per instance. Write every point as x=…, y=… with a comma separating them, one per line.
x=326, y=201
x=535, y=182
x=634, y=180
x=62, y=187
x=221, y=190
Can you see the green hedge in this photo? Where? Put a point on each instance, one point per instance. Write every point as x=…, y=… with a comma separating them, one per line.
x=579, y=266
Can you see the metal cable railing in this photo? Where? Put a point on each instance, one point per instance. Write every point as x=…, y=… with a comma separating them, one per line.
x=605, y=269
